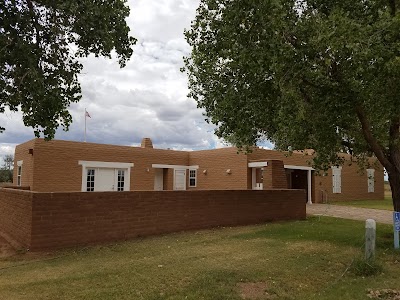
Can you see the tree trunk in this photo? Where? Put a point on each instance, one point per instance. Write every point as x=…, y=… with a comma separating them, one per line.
x=394, y=180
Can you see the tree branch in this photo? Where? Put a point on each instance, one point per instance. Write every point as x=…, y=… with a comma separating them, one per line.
x=6, y=45
x=392, y=4
x=23, y=78
x=394, y=141
x=306, y=97
x=306, y=81
x=371, y=140
x=35, y=22
x=394, y=130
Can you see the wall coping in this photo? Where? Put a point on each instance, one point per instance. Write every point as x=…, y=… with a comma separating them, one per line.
x=18, y=191
x=15, y=190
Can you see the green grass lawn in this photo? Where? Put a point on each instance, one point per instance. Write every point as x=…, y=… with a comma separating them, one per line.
x=291, y=260
x=385, y=204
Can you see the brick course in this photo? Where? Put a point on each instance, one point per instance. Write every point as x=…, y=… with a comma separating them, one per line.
x=216, y=162
x=16, y=215
x=61, y=220
x=274, y=175
x=354, y=184
x=53, y=167
x=58, y=160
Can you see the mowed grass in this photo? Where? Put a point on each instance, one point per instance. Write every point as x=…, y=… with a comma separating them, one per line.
x=385, y=204
x=295, y=260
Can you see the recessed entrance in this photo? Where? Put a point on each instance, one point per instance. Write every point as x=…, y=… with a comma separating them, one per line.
x=299, y=177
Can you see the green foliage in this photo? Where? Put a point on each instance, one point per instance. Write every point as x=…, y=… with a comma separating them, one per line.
x=6, y=175
x=40, y=46
x=6, y=170
x=299, y=73
x=304, y=74
x=362, y=267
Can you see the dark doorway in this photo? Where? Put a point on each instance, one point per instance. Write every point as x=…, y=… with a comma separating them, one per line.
x=297, y=179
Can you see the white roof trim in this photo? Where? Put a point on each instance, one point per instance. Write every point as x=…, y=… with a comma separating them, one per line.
x=258, y=164
x=177, y=167
x=298, y=167
x=103, y=164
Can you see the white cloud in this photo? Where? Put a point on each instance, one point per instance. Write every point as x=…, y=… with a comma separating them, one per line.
x=6, y=149
x=147, y=98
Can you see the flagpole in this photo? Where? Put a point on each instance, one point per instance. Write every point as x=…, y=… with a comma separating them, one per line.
x=85, y=124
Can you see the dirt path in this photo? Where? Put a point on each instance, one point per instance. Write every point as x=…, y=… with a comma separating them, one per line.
x=348, y=212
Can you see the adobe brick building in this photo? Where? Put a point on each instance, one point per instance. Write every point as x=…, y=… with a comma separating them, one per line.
x=66, y=166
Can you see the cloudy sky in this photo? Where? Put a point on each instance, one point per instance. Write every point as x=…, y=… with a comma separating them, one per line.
x=145, y=99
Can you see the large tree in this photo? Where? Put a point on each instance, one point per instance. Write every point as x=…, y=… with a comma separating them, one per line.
x=304, y=74
x=41, y=42
x=8, y=162
x=6, y=173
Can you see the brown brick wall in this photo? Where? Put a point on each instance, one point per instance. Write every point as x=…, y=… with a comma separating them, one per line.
x=216, y=163
x=69, y=219
x=16, y=215
x=58, y=160
x=56, y=168
x=354, y=182
x=22, y=153
x=354, y=185
x=294, y=159
x=168, y=179
x=274, y=175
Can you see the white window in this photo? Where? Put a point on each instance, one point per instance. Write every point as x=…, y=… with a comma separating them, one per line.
x=120, y=180
x=192, y=178
x=337, y=180
x=19, y=172
x=90, y=180
x=371, y=180
x=100, y=176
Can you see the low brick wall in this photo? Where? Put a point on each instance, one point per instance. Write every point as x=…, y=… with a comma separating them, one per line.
x=62, y=220
x=16, y=216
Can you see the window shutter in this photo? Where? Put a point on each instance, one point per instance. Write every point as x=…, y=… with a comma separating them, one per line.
x=371, y=180
x=337, y=180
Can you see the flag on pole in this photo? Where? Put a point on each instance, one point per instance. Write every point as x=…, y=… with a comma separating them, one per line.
x=86, y=115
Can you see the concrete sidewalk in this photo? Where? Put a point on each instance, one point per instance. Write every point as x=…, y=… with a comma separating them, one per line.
x=348, y=212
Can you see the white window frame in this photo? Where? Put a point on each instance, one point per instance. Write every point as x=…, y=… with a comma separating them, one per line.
x=371, y=180
x=109, y=165
x=19, y=172
x=117, y=181
x=193, y=177
x=336, y=179
x=94, y=178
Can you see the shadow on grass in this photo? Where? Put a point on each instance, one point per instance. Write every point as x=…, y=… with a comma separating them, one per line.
x=337, y=231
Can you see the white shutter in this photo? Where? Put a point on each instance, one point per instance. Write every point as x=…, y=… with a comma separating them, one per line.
x=180, y=180
x=337, y=180
x=371, y=180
